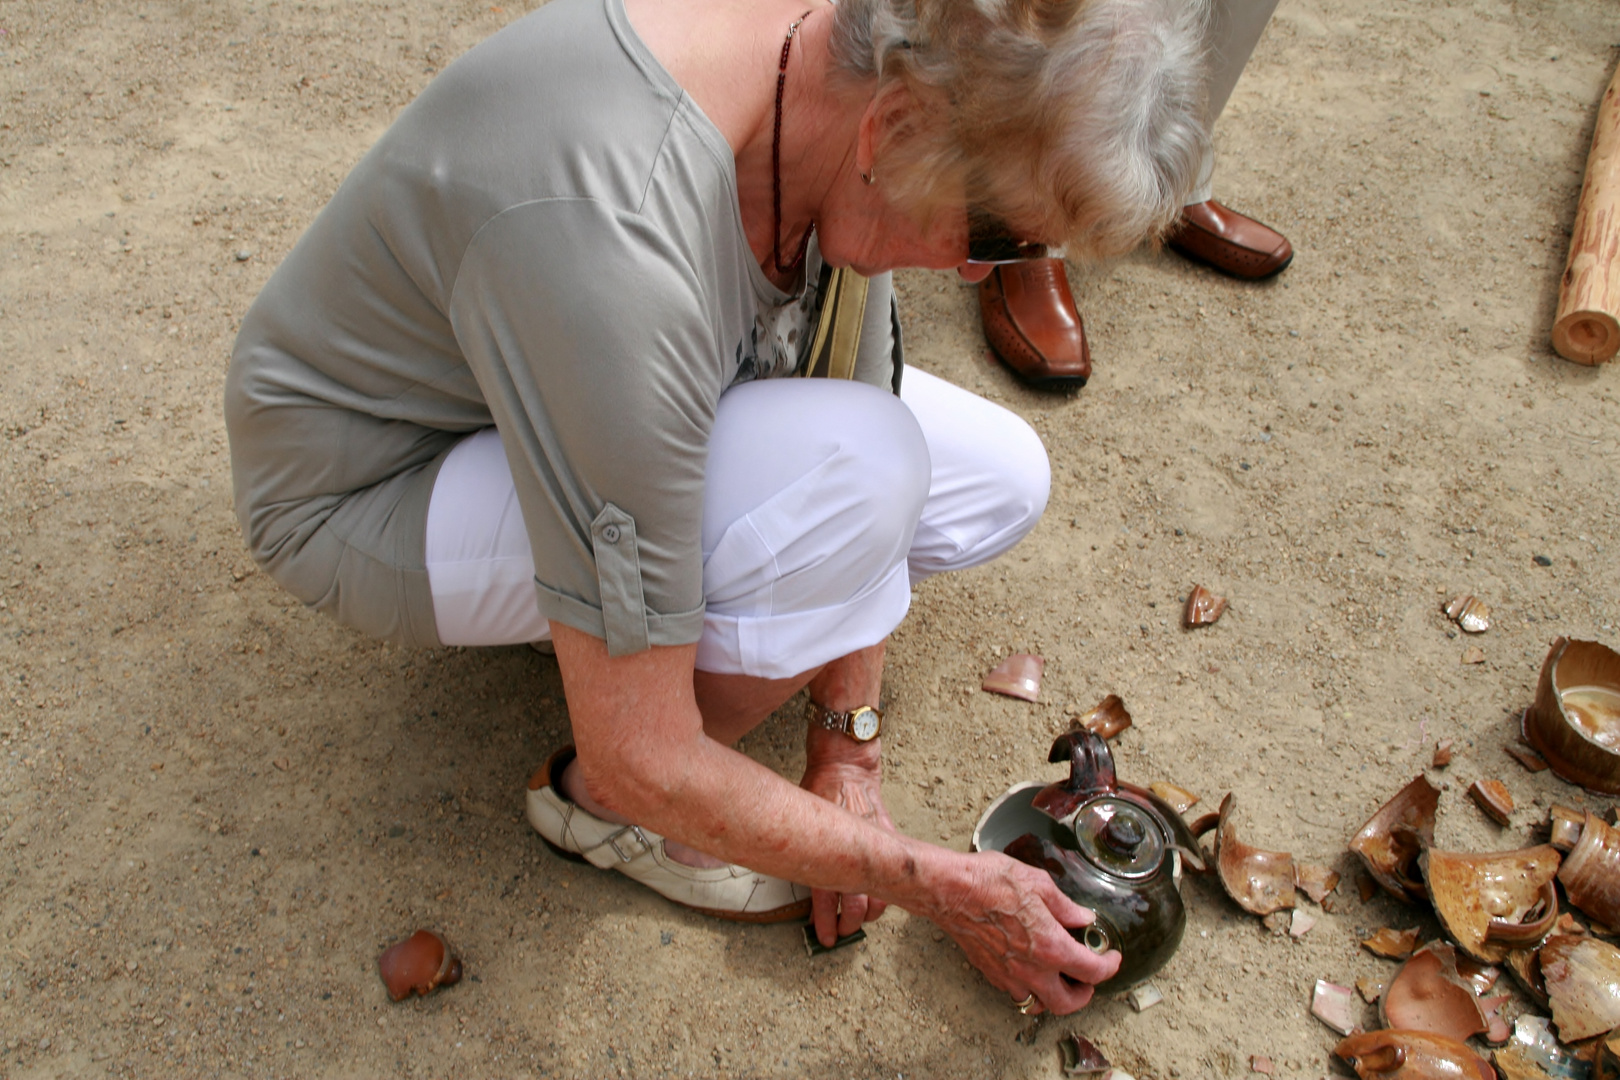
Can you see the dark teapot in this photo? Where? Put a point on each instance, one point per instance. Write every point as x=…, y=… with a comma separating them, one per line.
x=1110, y=846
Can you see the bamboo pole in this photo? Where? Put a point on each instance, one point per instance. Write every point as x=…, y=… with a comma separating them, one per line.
x=1587, y=328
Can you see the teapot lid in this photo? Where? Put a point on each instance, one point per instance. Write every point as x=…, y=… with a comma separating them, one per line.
x=1119, y=837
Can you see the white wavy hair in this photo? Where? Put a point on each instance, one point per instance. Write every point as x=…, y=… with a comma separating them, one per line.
x=1074, y=121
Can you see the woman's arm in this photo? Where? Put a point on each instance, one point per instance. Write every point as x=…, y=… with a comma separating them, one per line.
x=643, y=754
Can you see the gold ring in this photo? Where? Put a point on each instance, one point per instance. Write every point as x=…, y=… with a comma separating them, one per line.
x=1024, y=1006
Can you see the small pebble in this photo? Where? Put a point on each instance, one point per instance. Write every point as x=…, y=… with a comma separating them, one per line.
x=1542, y=560
x=244, y=255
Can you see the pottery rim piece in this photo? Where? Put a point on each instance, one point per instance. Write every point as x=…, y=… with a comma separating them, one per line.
x=1575, y=720
x=1260, y=881
x=1582, y=976
x=1017, y=676
x=1495, y=902
x=1203, y=608
x=1416, y=1054
x=1391, y=840
x=1428, y=994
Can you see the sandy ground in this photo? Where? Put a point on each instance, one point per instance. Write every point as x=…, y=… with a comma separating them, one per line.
x=216, y=807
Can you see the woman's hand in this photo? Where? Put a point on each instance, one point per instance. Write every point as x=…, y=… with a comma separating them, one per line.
x=1011, y=920
x=848, y=774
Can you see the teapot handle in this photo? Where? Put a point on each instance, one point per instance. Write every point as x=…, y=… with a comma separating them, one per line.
x=1091, y=773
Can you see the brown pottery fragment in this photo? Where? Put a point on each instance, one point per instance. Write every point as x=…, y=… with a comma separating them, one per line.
x=1564, y=826
x=1472, y=655
x=420, y=963
x=1428, y=994
x=1107, y=719
x=1492, y=797
x=1391, y=840
x=1494, y=902
x=1575, y=720
x=1203, y=608
x=1371, y=989
x=1412, y=1055
x=1591, y=871
x=1526, y=757
x=1470, y=613
x=1315, y=881
x=1442, y=754
x=1260, y=881
x=1336, y=1007
x=1179, y=798
x=1017, y=676
x=1392, y=944
x=1080, y=1057
x=1582, y=975
x=1525, y=967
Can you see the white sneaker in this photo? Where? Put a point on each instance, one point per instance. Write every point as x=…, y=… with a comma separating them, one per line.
x=726, y=892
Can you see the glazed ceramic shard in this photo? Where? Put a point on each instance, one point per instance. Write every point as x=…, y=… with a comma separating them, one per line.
x=1564, y=825
x=1412, y=1055
x=1391, y=840
x=1492, y=797
x=1526, y=757
x=1371, y=989
x=1525, y=967
x=1442, y=754
x=1203, y=607
x=1017, y=676
x=1315, y=882
x=1336, y=1007
x=1591, y=871
x=1300, y=922
x=1144, y=997
x=1107, y=719
x=1533, y=1053
x=1496, y=1025
x=1391, y=944
x=1582, y=976
x=1575, y=720
x=1079, y=1057
x=1470, y=613
x=418, y=964
x=1428, y=994
x=1179, y=798
x=1496, y=902
x=1260, y=881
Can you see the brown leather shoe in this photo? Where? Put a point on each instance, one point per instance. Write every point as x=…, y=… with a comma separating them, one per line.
x=1230, y=242
x=1032, y=325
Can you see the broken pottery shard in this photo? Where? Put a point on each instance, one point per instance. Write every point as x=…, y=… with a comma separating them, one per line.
x=1526, y=757
x=1017, y=676
x=1144, y=997
x=1260, y=881
x=1390, y=841
x=1336, y=1007
x=1591, y=871
x=1472, y=655
x=1080, y=1058
x=1314, y=881
x=1203, y=607
x=1179, y=798
x=1392, y=944
x=1495, y=902
x=1428, y=994
x=1534, y=1054
x=1412, y=1055
x=1470, y=613
x=1564, y=825
x=418, y=964
x=1365, y=887
x=1261, y=1065
x=1370, y=989
x=1301, y=923
x=1107, y=719
x=1442, y=754
x=1278, y=922
x=1575, y=720
x=1582, y=975
x=1496, y=1025
x=1492, y=797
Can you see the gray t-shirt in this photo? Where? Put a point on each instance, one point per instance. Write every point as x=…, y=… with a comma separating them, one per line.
x=547, y=239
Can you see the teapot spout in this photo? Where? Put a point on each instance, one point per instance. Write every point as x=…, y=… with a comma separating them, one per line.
x=1091, y=773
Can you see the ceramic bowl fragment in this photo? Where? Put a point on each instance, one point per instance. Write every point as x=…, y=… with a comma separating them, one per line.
x=1107, y=719
x=1144, y=997
x=1591, y=871
x=1371, y=989
x=418, y=965
x=1494, y=902
x=1336, y=1007
x=1582, y=976
x=1203, y=608
x=1260, y=881
x=1017, y=676
x=1391, y=840
x=1179, y=798
x=1564, y=825
x=1525, y=967
x=1525, y=756
x=1442, y=754
x=1428, y=994
x=1412, y=1055
x=1079, y=1057
x=1470, y=613
x=1315, y=881
x=1497, y=1030
x=1532, y=1053
x=1300, y=923
x=1391, y=944
x=1575, y=720
x=1492, y=797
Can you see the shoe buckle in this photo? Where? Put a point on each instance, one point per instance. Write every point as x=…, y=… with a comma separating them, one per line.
x=639, y=837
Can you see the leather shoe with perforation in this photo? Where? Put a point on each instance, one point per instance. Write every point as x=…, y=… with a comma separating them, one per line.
x=1032, y=324
x=1231, y=242
x=726, y=892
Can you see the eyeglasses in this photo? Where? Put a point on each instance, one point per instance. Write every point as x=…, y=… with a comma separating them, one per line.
x=990, y=242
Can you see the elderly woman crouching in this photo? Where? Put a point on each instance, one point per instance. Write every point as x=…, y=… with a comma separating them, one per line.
x=523, y=378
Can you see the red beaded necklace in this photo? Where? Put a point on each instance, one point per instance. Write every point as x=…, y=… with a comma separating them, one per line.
x=776, y=166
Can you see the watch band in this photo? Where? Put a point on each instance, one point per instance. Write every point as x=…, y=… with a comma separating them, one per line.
x=846, y=722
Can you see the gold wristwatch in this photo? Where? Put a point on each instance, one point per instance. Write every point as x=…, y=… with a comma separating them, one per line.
x=862, y=723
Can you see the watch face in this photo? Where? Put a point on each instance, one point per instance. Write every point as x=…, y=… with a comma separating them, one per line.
x=864, y=724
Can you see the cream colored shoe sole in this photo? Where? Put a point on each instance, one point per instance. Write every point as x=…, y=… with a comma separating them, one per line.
x=726, y=892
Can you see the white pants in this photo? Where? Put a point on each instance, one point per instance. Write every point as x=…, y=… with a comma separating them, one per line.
x=1235, y=29
x=825, y=501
